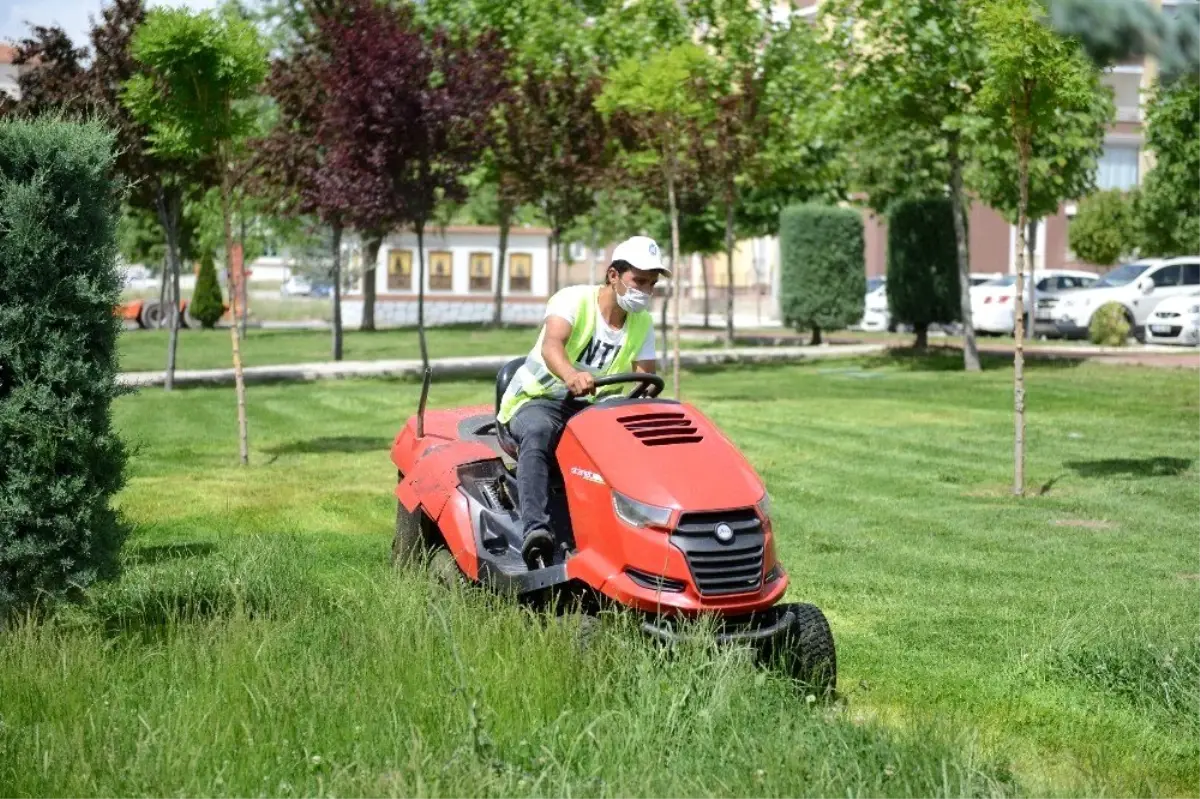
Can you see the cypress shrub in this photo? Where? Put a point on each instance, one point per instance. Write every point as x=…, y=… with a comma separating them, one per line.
x=922, y=265
x=207, y=305
x=823, y=281
x=60, y=460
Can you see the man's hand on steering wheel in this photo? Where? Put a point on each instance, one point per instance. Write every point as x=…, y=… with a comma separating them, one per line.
x=581, y=383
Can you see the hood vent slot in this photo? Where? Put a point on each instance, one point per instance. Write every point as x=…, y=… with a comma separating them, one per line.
x=661, y=429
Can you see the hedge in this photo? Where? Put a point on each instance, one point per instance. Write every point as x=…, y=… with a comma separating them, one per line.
x=922, y=266
x=823, y=271
x=60, y=460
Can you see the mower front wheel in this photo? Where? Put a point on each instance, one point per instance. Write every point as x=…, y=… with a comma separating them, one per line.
x=409, y=540
x=806, y=651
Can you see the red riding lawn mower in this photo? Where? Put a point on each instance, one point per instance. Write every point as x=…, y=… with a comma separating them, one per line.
x=654, y=509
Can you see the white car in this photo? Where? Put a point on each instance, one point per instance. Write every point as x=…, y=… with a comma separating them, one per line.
x=1138, y=286
x=296, y=286
x=1175, y=321
x=992, y=303
x=876, y=317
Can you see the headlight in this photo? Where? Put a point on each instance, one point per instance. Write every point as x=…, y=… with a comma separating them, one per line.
x=764, y=506
x=639, y=514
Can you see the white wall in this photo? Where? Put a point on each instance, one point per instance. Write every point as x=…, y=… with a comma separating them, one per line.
x=461, y=245
x=8, y=80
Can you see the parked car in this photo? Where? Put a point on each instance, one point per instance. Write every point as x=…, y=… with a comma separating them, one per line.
x=322, y=290
x=1176, y=320
x=992, y=302
x=876, y=316
x=296, y=286
x=1138, y=286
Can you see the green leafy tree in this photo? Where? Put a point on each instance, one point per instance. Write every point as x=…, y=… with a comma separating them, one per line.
x=1116, y=30
x=823, y=271
x=1169, y=206
x=660, y=97
x=1034, y=79
x=200, y=69
x=1104, y=229
x=922, y=269
x=908, y=70
x=61, y=462
x=207, y=304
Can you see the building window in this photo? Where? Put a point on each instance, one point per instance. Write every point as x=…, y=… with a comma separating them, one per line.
x=1118, y=167
x=441, y=272
x=481, y=271
x=520, y=272
x=399, y=271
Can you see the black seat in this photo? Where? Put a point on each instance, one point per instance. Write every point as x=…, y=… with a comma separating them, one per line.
x=503, y=378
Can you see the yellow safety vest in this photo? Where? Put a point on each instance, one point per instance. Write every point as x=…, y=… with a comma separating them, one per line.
x=534, y=378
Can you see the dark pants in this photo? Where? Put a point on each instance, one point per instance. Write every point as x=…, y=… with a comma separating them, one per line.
x=536, y=427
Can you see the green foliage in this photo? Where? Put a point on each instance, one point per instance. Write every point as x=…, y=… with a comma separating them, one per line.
x=60, y=461
x=1040, y=89
x=1104, y=229
x=922, y=267
x=1116, y=30
x=1169, y=207
x=1109, y=326
x=199, y=67
x=207, y=304
x=823, y=271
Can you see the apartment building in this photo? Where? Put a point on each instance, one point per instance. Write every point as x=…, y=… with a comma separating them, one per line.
x=1123, y=165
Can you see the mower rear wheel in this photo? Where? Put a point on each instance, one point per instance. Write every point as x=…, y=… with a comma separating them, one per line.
x=444, y=569
x=409, y=541
x=807, y=653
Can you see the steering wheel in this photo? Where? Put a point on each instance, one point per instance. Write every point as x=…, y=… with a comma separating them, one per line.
x=649, y=385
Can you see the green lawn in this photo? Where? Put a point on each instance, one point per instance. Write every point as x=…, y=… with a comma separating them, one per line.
x=259, y=644
x=146, y=350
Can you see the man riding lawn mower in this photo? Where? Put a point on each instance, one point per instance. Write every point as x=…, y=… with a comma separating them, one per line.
x=568, y=487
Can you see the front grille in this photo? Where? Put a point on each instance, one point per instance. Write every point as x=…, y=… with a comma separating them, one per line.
x=655, y=582
x=1047, y=302
x=721, y=568
x=1172, y=332
x=1167, y=315
x=661, y=429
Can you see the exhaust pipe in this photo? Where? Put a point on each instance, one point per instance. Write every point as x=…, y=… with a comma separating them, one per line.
x=424, y=397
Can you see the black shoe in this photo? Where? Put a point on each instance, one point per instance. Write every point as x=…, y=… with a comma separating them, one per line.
x=537, y=549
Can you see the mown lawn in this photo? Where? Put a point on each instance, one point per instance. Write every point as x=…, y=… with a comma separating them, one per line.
x=146, y=350
x=259, y=644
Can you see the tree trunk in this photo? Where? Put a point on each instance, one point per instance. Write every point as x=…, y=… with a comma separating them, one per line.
x=420, y=226
x=958, y=209
x=729, y=270
x=704, y=278
x=168, y=202
x=1023, y=151
x=922, y=340
x=816, y=336
x=370, y=263
x=505, y=223
x=1031, y=307
x=238, y=380
x=244, y=296
x=665, y=338
x=677, y=275
x=337, y=291
x=554, y=262
x=162, y=283
x=556, y=247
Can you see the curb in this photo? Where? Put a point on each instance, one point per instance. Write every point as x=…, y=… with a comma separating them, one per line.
x=473, y=366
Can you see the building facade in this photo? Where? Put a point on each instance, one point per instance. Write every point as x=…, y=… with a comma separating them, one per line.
x=461, y=270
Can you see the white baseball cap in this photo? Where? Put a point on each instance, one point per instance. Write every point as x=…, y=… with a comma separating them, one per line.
x=641, y=252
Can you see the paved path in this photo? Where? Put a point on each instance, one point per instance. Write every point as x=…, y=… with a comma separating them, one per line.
x=474, y=366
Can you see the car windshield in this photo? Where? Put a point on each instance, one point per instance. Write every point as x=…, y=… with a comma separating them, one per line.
x=1122, y=275
x=1000, y=282
x=873, y=283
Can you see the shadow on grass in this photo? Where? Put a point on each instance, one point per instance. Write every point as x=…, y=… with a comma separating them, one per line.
x=324, y=444
x=1161, y=466
x=164, y=552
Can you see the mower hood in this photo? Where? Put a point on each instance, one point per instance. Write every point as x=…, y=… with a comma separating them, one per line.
x=661, y=453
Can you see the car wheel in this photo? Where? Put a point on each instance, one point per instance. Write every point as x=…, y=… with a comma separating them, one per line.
x=152, y=315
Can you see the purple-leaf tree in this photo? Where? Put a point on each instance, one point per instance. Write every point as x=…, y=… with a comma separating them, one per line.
x=414, y=108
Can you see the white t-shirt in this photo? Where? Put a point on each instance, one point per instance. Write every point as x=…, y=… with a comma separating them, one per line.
x=606, y=341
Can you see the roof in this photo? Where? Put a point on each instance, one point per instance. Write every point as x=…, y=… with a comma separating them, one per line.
x=489, y=230
x=7, y=53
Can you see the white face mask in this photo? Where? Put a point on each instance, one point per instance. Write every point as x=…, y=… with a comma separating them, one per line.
x=633, y=300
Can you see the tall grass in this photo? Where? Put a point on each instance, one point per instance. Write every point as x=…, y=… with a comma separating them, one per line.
x=252, y=675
